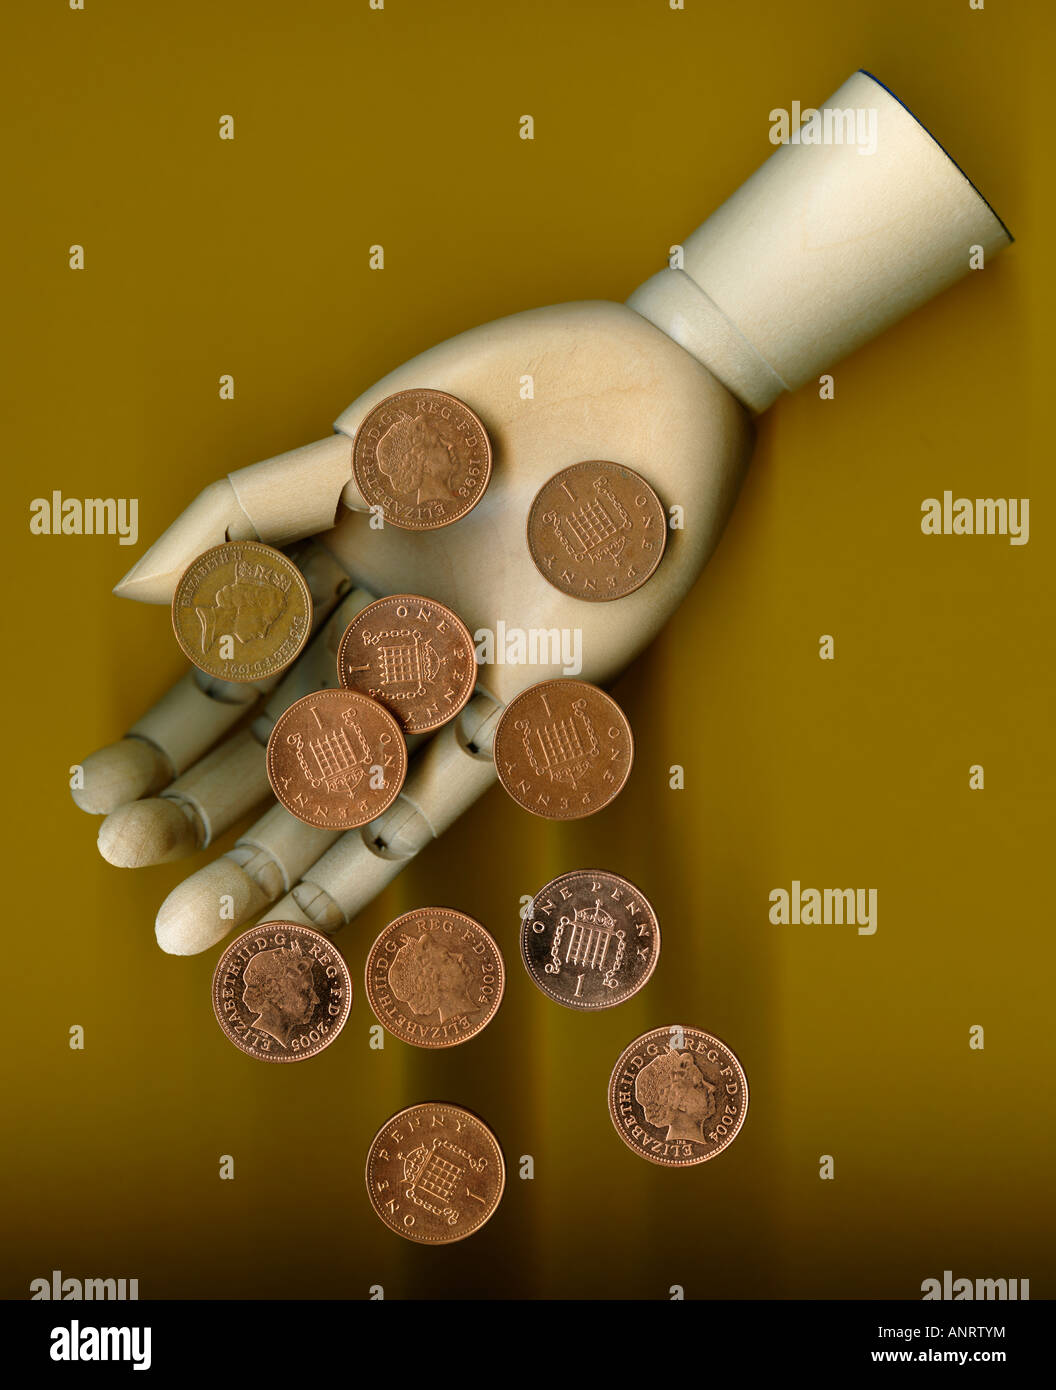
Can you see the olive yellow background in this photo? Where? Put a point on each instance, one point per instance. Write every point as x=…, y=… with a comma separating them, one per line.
x=250, y=257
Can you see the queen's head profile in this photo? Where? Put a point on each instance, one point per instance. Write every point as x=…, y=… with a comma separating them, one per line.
x=418, y=454
x=675, y=1096
x=244, y=609
x=429, y=978
x=278, y=988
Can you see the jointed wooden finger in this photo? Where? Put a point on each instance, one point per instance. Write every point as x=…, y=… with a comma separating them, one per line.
x=225, y=785
x=446, y=777
x=194, y=713
x=240, y=885
x=279, y=500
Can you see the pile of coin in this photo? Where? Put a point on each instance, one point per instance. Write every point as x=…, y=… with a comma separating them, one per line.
x=563, y=749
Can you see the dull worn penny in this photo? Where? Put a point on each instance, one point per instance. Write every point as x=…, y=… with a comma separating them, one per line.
x=242, y=611
x=596, y=530
x=563, y=749
x=336, y=759
x=424, y=457
x=434, y=977
x=435, y=1173
x=281, y=992
x=590, y=939
x=678, y=1096
x=412, y=655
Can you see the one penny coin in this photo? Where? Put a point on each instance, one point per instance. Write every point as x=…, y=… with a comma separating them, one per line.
x=590, y=939
x=336, y=759
x=281, y=992
x=563, y=749
x=435, y=1173
x=596, y=531
x=412, y=655
x=434, y=977
x=424, y=457
x=678, y=1096
x=242, y=611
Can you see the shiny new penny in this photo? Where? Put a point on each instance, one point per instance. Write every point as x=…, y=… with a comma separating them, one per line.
x=678, y=1096
x=596, y=531
x=435, y=1173
x=563, y=749
x=422, y=456
x=434, y=977
x=590, y=939
x=336, y=759
x=281, y=992
x=414, y=656
x=242, y=611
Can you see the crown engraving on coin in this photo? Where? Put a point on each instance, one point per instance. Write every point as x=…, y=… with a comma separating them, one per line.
x=414, y=656
x=563, y=749
x=596, y=531
x=336, y=758
x=590, y=939
x=435, y=1173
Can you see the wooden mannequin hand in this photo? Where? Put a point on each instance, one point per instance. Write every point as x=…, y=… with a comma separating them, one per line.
x=553, y=387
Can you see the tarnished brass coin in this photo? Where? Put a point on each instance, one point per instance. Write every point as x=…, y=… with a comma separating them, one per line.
x=563, y=749
x=434, y=977
x=336, y=759
x=281, y=992
x=412, y=655
x=424, y=457
x=596, y=530
x=242, y=611
x=435, y=1173
x=590, y=939
x=678, y=1096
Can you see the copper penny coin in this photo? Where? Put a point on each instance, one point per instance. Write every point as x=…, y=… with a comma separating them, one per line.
x=281, y=992
x=590, y=939
x=435, y=1173
x=596, y=530
x=242, y=611
x=412, y=655
x=435, y=977
x=678, y=1096
x=563, y=749
x=336, y=759
x=424, y=457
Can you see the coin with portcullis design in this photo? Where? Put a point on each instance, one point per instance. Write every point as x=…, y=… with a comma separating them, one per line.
x=563, y=749
x=590, y=939
x=281, y=992
x=596, y=530
x=242, y=611
x=435, y=1173
x=412, y=655
x=424, y=457
x=678, y=1096
x=434, y=977
x=336, y=759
